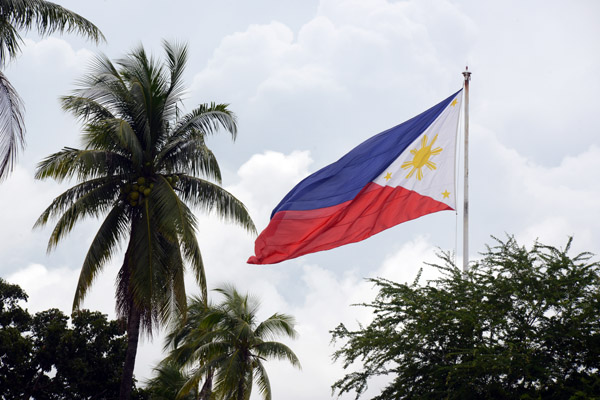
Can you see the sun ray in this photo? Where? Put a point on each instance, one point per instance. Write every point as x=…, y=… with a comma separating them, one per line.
x=421, y=158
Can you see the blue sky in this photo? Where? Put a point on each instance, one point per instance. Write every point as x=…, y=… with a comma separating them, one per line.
x=310, y=80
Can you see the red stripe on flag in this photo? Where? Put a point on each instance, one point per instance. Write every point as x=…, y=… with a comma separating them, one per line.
x=291, y=234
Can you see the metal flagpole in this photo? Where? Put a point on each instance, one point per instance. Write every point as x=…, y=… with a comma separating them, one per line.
x=467, y=76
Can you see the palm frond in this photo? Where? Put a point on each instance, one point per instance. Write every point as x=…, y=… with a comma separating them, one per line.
x=146, y=255
x=262, y=380
x=46, y=18
x=177, y=55
x=12, y=125
x=111, y=232
x=10, y=41
x=83, y=164
x=275, y=325
x=129, y=140
x=232, y=373
x=144, y=279
x=107, y=87
x=148, y=85
x=208, y=196
x=173, y=302
x=191, y=155
x=187, y=328
x=206, y=120
x=277, y=350
x=86, y=109
x=171, y=211
x=167, y=381
x=90, y=198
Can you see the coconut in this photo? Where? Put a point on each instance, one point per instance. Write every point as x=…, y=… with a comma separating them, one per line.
x=141, y=180
x=134, y=195
x=147, y=192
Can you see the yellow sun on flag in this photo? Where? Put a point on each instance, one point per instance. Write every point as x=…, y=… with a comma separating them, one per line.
x=421, y=158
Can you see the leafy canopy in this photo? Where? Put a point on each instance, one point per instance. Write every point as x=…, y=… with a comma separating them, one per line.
x=45, y=357
x=520, y=324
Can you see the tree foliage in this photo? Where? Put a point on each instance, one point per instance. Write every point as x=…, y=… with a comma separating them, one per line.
x=520, y=324
x=46, y=357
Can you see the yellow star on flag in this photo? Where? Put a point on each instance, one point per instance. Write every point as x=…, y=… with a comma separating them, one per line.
x=454, y=102
x=446, y=194
x=388, y=176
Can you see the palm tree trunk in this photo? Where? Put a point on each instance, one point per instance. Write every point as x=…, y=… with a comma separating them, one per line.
x=241, y=391
x=133, y=333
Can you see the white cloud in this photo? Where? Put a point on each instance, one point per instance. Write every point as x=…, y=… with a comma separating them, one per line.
x=35, y=55
x=515, y=195
x=340, y=78
x=22, y=200
x=55, y=288
x=266, y=178
x=46, y=288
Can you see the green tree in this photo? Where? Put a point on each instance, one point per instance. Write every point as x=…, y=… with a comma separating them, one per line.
x=520, y=324
x=143, y=162
x=21, y=16
x=226, y=346
x=15, y=349
x=45, y=357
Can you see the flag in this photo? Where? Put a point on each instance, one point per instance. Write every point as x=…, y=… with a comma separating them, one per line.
x=395, y=176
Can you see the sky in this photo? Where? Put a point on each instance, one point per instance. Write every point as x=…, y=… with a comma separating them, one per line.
x=308, y=81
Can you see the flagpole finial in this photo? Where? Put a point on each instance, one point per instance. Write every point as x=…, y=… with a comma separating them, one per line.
x=467, y=74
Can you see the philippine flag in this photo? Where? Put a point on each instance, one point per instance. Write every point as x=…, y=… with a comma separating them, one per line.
x=398, y=175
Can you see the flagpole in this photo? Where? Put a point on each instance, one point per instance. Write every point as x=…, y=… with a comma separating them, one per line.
x=467, y=76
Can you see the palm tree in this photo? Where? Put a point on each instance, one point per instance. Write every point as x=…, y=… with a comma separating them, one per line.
x=187, y=334
x=230, y=343
x=142, y=165
x=23, y=15
x=168, y=379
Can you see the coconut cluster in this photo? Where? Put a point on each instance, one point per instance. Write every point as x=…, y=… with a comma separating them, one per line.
x=136, y=191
